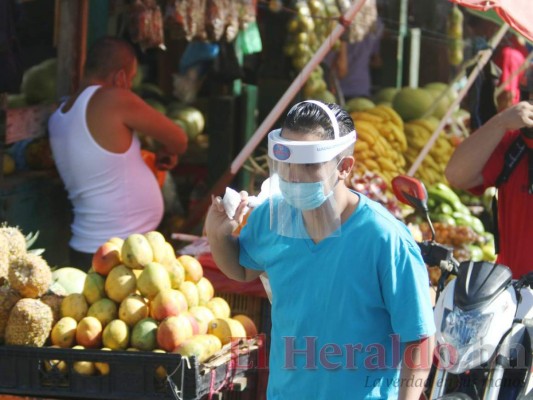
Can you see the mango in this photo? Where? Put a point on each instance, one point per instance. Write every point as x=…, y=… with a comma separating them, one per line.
x=120, y=283
x=89, y=333
x=64, y=333
x=158, y=244
x=105, y=310
x=173, y=331
x=167, y=303
x=116, y=335
x=133, y=309
x=152, y=280
x=136, y=251
x=144, y=335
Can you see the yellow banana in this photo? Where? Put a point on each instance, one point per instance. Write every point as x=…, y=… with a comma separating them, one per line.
x=425, y=123
x=393, y=115
x=382, y=114
x=379, y=148
x=399, y=136
x=417, y=142
x=401, y=161
x=367, y=127
x=386, y=164
x=366, y=116
x=361, y=145
x=363, y=155
x=432, y=162
x=371, y=165
x=415, y=131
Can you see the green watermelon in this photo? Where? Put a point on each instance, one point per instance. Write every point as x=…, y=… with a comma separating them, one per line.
x=39, y=83
x=70, y=279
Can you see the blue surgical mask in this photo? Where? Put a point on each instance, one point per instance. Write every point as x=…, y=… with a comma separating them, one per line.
x=303, y=195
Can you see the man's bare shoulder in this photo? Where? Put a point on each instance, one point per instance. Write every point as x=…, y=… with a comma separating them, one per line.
x=114, y=96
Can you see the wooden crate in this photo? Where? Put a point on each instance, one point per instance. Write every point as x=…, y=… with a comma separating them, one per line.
x=252, y=306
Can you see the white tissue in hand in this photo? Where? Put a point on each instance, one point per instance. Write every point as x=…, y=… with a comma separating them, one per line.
x=254, y=201
x=231, y=201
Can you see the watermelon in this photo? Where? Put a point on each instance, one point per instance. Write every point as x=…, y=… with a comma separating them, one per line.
x=70, y=279
x=39, y=82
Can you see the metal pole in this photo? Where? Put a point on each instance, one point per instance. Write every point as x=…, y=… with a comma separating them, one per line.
x=484, y=57
x=402, y=32
x=414, y=60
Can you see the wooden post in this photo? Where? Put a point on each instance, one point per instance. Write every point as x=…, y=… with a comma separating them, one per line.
x=3, y=132
x=71, y=44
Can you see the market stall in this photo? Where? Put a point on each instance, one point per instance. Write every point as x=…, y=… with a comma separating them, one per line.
x=43, y=360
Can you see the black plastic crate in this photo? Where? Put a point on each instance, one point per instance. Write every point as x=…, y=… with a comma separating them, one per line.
x=132, y=375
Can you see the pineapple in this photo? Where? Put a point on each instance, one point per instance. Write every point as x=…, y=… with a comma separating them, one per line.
x=53, y=300
x=15, y=239
x=8, y=298
x=29, y=323
x=30, y=275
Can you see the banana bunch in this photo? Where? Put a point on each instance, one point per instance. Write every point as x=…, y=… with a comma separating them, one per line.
x=308, y=28
x=418, y=132
x=380, y=142
x=455, y=36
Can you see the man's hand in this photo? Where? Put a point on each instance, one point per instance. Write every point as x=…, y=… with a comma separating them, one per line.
x=224, y=245
x=517, y=116
x=217, y=222
x=165, y=160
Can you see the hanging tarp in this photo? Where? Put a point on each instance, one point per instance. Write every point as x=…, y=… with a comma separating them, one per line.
x=517, y=13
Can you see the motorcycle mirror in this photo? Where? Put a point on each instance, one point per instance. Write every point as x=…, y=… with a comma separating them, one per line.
x=410, y=191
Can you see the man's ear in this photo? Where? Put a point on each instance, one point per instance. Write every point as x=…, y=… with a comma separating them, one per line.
x=119, y=78
x=345, y=166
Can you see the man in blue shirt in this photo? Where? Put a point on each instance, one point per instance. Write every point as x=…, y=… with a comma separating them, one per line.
x=351, y=314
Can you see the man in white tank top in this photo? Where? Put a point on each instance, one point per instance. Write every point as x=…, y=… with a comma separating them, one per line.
x=97, y=154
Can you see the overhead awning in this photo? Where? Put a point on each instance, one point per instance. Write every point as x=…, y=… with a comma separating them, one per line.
x=517, y=13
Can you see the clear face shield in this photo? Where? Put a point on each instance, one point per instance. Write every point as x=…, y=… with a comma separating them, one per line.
x=303, y=177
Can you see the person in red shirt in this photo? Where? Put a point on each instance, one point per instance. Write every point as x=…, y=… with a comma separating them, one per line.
x=509, y=57
x=477, y=164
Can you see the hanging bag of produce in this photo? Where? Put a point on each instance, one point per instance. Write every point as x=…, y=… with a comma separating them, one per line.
x=146, y=24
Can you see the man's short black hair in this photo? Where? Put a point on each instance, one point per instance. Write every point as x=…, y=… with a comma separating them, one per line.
x=108, y=55
x=308, y=118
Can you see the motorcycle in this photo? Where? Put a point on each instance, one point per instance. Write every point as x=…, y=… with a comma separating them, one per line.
x=484, y=320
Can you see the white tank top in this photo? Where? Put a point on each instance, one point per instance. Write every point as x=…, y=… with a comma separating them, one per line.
x=113, y=194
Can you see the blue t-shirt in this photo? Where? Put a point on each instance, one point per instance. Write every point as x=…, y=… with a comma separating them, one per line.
x=342, y=307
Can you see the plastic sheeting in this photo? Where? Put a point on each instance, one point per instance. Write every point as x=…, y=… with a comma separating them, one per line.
x=517, y=13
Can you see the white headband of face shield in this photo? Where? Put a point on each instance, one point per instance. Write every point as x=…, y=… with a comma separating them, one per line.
x=312, y=151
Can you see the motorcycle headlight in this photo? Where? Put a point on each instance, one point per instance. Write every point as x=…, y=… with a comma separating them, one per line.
x=464, y=328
